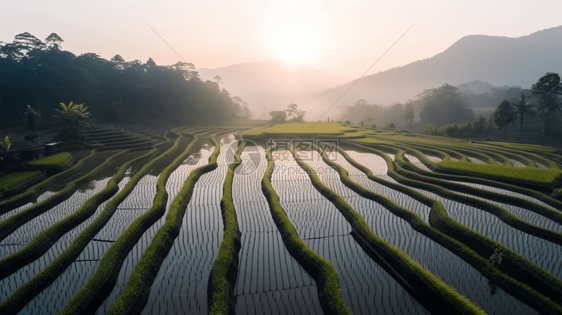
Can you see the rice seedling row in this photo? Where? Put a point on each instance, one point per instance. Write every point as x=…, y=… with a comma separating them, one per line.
x=173, y=186
x=330, y=235
x=76, y=276
x=268, y=275
x=182, y=280
x=432, y=256
x=13, y=282
x=527, y=215
x=24, y=234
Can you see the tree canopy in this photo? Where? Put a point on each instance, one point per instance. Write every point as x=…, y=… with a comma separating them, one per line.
x=44, y=75
x=444, y=105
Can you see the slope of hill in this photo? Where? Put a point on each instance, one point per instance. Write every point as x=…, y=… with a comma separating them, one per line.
x=268, y=85
x=498, y=60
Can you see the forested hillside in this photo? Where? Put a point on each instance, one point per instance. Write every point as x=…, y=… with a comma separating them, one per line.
x=42, y=74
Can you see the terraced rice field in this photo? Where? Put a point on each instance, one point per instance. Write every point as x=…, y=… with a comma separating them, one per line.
x=304, y=253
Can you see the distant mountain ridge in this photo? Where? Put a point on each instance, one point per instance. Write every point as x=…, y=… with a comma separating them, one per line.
x=497, y=60
x=270, y=85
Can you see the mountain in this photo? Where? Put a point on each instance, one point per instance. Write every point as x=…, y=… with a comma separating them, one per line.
x=497, y=60
x=271, y=85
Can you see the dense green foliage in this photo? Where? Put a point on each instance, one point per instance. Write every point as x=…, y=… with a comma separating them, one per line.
x=43, y=75
x=444, y=105
x=524, y=174
x=53, y=160
x=14, y=179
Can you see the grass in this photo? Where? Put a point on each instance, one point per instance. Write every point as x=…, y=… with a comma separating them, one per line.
x=12, y=180
x=525, y=174
x=173, y=221
x=323, y=128
x=290, y=235
x=523, y=146
x=91, y=287
x=483, y=264
x=218, y=282
x=19, y=298
x=28, y=195
x=53, y=160
x=357, y=221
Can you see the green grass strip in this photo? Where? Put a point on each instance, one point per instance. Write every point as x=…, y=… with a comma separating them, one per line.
x=53, y=160
x=358, y=223
x=15, y=179
x=485, y=246
x=532, y=297
x=87, y=293
x=221, y=291
x=535, y=175
x=40, y=244
x=164, y=238
x=326, y=276
x=33, y=191
x=15, y=221
x=522, y=146
x=28, y=291
x=522, y=190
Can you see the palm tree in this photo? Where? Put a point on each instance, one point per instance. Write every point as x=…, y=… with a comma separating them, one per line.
x=521, y=109
x=72, y=114
x=549, y=106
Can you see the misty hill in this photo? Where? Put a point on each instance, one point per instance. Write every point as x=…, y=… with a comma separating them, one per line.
x=497, y=60
x=269, y=85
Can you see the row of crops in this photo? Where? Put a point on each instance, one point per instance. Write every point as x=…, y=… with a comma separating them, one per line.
x=370, y=228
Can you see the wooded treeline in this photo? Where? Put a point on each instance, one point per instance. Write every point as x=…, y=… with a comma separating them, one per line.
x=42, y=74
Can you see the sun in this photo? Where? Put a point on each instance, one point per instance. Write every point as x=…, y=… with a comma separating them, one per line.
x=292, y=45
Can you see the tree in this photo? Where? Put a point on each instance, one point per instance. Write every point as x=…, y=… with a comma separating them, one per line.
x=295, y=112
x=32, y=118
x=444, y=105
x=278, y=115
x=503, y=116
x=548, y=108
x=54, y=41
x=73, y=117
x=522, y=109
x=409, y=114
x=546, y=90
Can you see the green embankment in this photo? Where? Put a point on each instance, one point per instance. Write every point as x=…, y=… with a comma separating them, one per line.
x=446, y=293
x=48, y=237
x=514, y=265
x=13, y=222
x=99, y=284
x=305, y=128
x=509, y=284
x=525, y=174
x=132, y=299
x=323, y=272
x=53, y=160
x=12, y=180
x=28, y=291
x=221, y=300
x=35, y=190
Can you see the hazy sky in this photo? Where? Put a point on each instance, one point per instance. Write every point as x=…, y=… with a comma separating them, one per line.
x=343, y=37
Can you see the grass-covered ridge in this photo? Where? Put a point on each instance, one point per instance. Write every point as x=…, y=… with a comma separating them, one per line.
x=12, y=180
x=326, y=278
x=524, y=174
x=169, y=230
x=360, y=225
x=53, y=160
x=524, y=146
x=311, y=128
